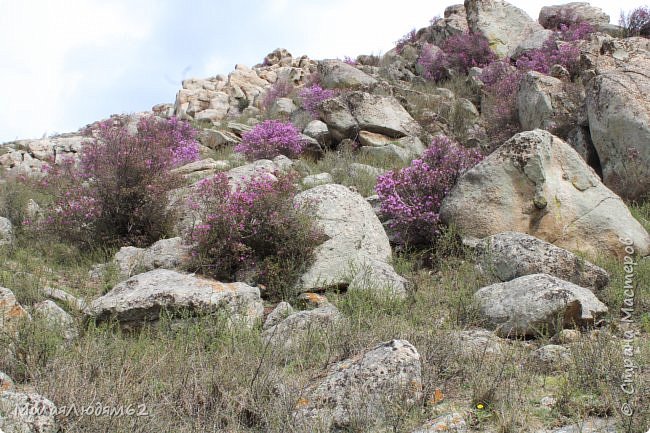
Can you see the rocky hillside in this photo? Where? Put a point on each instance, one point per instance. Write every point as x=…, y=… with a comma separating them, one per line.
x=449, y=237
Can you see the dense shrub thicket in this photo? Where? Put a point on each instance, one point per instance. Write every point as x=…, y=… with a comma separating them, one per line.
x=459, y=54
x=636, y=22
x=269, y=139
x=253, y=233
x=411, y=197
x=312, y=96
x=117, y=194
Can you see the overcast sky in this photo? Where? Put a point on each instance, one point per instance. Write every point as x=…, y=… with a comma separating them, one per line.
x=66, y=63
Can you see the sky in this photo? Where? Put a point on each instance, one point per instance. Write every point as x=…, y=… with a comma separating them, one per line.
x=67, y=63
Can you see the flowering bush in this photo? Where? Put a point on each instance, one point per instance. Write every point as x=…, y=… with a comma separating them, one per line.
x=459, y=53
x=314, y=95
x=270, y=139
x=411, y=197
x=499, y=104
x=408, y=38
x=279, y=89
x=253, y=233
x=636, y=23
x=117, y=194
x=350, y=61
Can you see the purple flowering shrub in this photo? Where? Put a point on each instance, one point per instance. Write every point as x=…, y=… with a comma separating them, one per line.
x=270, y=139
x=636, y=23
x=499, y=104
x=312, y=96
x=252, y=233
x=279, y=89
x=559, y=49
x=411, y=197
x=117, y=193
x=459, y=54
x=409, y=38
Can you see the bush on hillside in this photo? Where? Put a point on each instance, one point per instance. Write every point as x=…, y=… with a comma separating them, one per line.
x=117, y=194
x=459, y=54
x=409, y=38
x=279, y=89
x=313, y=96
x=253, y=233
x=269, y=139
x=636, y=23
x=411, y=197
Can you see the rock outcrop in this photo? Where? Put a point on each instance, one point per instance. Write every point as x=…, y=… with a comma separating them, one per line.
x=143, y=297
x=551, y=17
x=537, y=304
x=362, y=386
x=27, y=413
x=536, y=183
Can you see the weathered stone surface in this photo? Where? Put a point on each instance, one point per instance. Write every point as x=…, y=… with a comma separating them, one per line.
x=56, y=318
x=283, y=107
x=11, y=312
x=299, y=325
x=6, y=231
x=382, y=114
x=477, y=343
x=279, y=313
x=353, y=230
x=338, y=74
x=317, y=179
x=380, y=277
x=550, y=358
x=319, y=132
x=537, y=184
x=504, y=25
x=451, y=423
x=35, y=414
x=589, y=425
x=348, y=114
x=551, y=17
x=534, y=304
x=363, y=385
x=512, y=255
x=619, y=114
x=279, y=56
x=142, y=298
x=543, y=103
x=166, y=253
x=65, y=297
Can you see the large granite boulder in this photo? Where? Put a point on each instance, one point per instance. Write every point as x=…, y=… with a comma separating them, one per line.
x=363, y=386
x=536, y=183
x=619, y=114
x=536, y=305
x=512, y=255
x=143, y=297
x=166, y=253
x=356, y=238
x=505, y=26
x=551, y=17
x=338, y=74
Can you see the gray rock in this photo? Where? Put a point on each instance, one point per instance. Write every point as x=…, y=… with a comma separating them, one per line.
x=201, y=169
x=589, y=425
x=283, y=107
x=619, y=115
x=543, y=103
x=297, y=326
x=362, y=386
x=550, y=358
x=452, y=423
x=380, y=277
x=279, y=313
x=279, y=56
x=338, y=74
x=477, y=343
x=512, y=255
x=166, y=253
x=340, y=122
x=356, y=170
x=11, y=312
x=319, y=132
x=27, y=413
x=65, y=297
x=382, y=114
x=536, y=304
x=537, y=184
x=317, y=179
x=353, y=230
x=504, y=25
x=56, y=318
x=6, y=231
x=550, y=17
x=142, y=298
